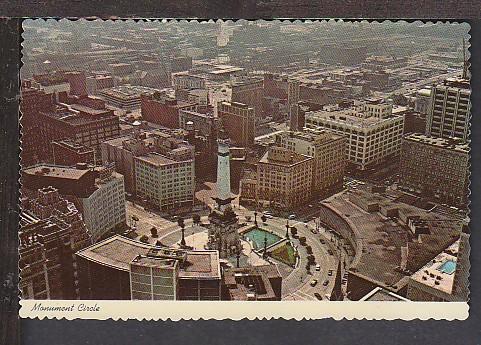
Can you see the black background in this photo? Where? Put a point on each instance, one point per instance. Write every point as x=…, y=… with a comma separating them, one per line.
x=14, y=331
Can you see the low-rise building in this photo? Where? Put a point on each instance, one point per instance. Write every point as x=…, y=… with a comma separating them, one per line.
x=126, y=97
x=441, y=279
x=68, y=152
x=98, y=192
x=436, y=168
x=258, y=283
x=122, y=268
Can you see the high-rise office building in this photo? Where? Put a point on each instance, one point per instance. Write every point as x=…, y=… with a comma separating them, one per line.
x=238, y=121
x=450, y=110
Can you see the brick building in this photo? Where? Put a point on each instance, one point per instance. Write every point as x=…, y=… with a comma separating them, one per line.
x=81, y=123
x=51, y=231
x=436, y=168
x=33, y=101
x=67, y=152
x=163, y=110
x=238, y=120
x=251, y=92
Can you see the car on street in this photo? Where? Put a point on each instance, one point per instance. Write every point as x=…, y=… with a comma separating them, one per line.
x=326, y=283
x=329, y=273
x=322, y=241
x=318, y=296
x=318, y=267
x=330, y=252
x=292, y=217
x=313, y=282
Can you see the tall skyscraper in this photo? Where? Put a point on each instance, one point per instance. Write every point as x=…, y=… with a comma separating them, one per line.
x=450, y=110
x=293, y=90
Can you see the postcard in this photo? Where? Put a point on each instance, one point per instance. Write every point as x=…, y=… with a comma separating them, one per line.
x=244, y=169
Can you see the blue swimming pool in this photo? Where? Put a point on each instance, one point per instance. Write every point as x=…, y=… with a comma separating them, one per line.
x=447, y=267
x=257, y=237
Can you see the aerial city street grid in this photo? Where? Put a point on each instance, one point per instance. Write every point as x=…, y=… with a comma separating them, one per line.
x=246, y=161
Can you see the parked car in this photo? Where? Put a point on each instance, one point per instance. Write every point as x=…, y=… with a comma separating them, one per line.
x=313, y=282
x=329, y=273
x=292, y=217
x=318, y=267
x=326, y=283
x=330, y=252
x=318, y=296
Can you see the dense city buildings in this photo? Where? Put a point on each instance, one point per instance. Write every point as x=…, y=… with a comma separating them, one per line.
x=184, y=80
x=260, y=161
x=123, y=150
x=51, y=231
x=98, y=193
x=450, y=110
x=122, y=268
x=163, y=110
x=373, y=130
x=238, y=120
x=436, y=168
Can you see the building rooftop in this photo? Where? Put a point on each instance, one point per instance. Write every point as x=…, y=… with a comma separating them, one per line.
x=118, y=252
x=283, y=157
x=90, y=111
x=383, y=240
x=73, y=145
x=156, y=159
x=347, y=117
x=380, y=294
x=57, y=171
x=127, y=91
x=249, y=283
x=438, y=273
x=442, y=143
